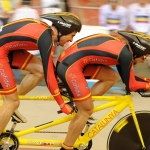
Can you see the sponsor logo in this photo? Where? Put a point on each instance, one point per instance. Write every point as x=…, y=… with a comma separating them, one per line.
x=17, y=45
x=139, y=46
x=75, y=84
x=72, y=75
x=85, y=61
x=64, y=24
x=5, y=78
x=102, y=123
x=56, y=91
x=99, y=60
x=37, y=142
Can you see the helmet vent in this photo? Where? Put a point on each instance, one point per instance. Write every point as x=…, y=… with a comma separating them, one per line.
x=138, y=40
x=62, y=18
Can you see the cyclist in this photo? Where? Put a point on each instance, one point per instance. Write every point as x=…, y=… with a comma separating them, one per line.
x=91, y=57
x=30, y=34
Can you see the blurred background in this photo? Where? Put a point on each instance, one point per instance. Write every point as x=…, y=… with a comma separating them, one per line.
x=97, y=16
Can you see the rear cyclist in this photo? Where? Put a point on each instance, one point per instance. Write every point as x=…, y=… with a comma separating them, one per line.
x=30, y=34
x=91, y=57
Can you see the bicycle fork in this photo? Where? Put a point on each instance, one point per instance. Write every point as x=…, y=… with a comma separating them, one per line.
x=137, y=126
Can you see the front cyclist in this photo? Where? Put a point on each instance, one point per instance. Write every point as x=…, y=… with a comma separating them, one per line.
x=91, y=57
x=29, y=34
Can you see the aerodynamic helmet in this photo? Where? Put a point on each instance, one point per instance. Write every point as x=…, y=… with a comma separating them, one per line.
x=65, y=22
x=139, y=42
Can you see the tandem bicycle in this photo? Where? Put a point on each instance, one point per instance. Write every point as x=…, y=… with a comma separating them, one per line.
x=131, y=132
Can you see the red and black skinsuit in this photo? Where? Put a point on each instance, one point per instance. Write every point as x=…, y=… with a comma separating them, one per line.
x=16, y=38
x=87, y=56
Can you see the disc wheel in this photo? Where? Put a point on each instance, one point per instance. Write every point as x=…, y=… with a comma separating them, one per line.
x=89, y=145
x=124, y=136
x=9, y=138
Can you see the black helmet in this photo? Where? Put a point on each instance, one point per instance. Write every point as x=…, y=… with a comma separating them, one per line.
x=65, y=22
x=139, y=42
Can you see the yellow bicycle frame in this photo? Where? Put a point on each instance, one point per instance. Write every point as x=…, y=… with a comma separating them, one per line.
x=119, y=103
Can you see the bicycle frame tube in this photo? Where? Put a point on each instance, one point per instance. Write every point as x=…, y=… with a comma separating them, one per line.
x=44, y=126
x=40, y=142
x=35, y=97
x=136, y=123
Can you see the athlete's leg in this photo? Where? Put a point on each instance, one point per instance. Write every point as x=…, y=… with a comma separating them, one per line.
x=10, y=104
x=85, y=110
x=76, y=85
x=107, y=78
x=34, y=76
x=24, y=60
x=8, y=90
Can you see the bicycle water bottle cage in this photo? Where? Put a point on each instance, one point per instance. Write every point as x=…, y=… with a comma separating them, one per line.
x=17, y=117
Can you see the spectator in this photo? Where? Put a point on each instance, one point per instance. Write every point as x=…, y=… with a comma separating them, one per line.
x=50, y=6
x=113, y=16
x=25, y=11
x=139, y=16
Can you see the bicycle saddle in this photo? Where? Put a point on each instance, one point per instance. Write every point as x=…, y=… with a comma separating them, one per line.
x=17, y=117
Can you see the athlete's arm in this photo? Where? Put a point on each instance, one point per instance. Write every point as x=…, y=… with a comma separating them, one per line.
x=46, y=48
x=143, y=79
x=125, y=69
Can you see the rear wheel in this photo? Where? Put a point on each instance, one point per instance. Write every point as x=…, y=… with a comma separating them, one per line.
x=124, y=136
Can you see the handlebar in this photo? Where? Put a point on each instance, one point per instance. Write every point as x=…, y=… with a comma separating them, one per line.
x=144, y=93
x=59, y=111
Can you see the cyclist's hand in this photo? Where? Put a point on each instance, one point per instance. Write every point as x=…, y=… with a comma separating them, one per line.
x=147, y=79
x=148, y=86
x=67, y=109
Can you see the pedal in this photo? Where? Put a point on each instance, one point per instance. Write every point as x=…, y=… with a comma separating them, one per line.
x=17, y=117
x=92, y=120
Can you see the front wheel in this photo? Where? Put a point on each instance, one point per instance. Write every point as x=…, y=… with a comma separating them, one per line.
x=8, y=141
x=124, y=136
